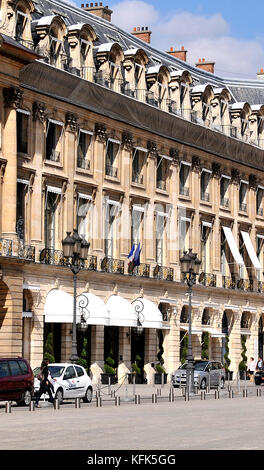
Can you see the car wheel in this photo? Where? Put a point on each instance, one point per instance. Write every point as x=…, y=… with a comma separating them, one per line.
x=222, y=383
x=26, y=399
x=59, y=396
x=203, y=384
x=88, y=395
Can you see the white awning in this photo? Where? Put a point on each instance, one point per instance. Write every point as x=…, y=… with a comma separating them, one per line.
x=214, y=333
x=232, y=245
x=53, y=189
x=195, y=331
x=250, y=250
x=121, y=312
x=93, y=309
x=59, y=307
x=149, y=313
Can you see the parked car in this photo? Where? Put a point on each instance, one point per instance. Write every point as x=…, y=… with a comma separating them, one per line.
x=16, y=380
x=206, y=373
x=259, y=376
x=68, y=380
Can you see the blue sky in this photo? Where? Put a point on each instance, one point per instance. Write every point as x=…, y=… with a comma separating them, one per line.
x=227, y=31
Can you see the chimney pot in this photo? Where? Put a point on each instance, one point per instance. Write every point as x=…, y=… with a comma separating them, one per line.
x=82, y=5
x=182, y=48
x=96, y=4
x=261, y=70
x=171, y=49
x=143, y=33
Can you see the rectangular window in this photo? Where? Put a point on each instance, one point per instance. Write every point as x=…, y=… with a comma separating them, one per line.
x=243, y=196
x=184, y=179
x=83, y=152
x=83, y=216
x=50, y=219
x=259, y=200
x=161, y=173
x=205, y=247
x=224, y=191
x=112, y=151
x=184, y=242
x=111, y=211
x=53, y=140
x=21, y=21
x=136, y=226
x=205, y=185
x=20, y=222
x=160, y=239
x=22, y=131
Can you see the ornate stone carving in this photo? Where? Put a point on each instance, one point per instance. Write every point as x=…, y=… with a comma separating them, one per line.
x=38, y=111
x=216, y=170
x=174, y=154
x=100, y=132
x=12, y=97
x=71, y=120
x=235, y=176
x=196, y=163
x=127, y=140
x=152, y=148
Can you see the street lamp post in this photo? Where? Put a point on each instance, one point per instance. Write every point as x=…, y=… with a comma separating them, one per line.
x=190, y=266
x=75, y=250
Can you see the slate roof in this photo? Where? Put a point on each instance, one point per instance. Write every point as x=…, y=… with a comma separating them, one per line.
x=241, y=90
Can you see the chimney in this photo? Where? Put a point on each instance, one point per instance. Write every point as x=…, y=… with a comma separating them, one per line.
x=208, y=66
x=260, y=75
x=182, y=54
x=98, y=9
x=142, y=33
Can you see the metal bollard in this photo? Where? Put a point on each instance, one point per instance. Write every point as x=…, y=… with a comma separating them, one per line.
x=98, y=401
x=56, y=404
x=8, y=407
x=231, y=394
x=117, y=401
x=31, y=406
x=217, y=395
x=159, y=392
x=183, y=390
x=171, y=396
x=77, y=403
x=245, y=393
x=137, y=399
x=186, y=396
x=154, y=398
x=203, y=395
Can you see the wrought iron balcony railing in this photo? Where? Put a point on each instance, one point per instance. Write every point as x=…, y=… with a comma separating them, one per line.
x=208, y=280
x=25, y=43
x=137, y=177
x=229, y=282
x=224, y=202
x=245, y=284
x=260, y=211
x=110, y=170
x=184, y=191
x=56, y=258
x=163, y=273
x=111, y=265
x=141, y=271
x=205, y=196
x=16, y=249
x=161, y=184
x=261, y=287
x=83, y=163
x=243, y=207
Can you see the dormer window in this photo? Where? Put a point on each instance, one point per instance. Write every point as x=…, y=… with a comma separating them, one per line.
x=55, y=51
x=21, y=21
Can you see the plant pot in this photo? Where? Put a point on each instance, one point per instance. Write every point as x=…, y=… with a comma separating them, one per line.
x=158, y=378
x=105, y=379
x=139, y=378
x=229, y=375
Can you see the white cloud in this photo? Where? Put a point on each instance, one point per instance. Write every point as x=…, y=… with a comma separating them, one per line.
x=203, y=36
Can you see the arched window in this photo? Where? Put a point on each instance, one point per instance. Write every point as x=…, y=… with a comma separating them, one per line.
x=206, y=317
x=244, y=320
x=225, y=323
x=22, y=27
x=184, y=315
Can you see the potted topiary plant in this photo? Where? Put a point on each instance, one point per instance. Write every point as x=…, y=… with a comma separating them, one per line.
x=136, y=371
x=227, y=361
x=49, y=349
x=109, y=370
x=205, y=345
x=243, y=364
x=159, y=366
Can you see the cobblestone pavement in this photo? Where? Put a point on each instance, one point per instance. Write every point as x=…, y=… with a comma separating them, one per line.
x=225, y=423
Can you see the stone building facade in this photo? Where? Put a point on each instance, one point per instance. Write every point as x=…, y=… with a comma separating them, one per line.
x=130, y=145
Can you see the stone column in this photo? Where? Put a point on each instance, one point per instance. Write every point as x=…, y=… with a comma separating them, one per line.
x=97, y=346
x=172, y=343
x=126, y=165
x=12, y=100
x=235, y=343
x=99, y=167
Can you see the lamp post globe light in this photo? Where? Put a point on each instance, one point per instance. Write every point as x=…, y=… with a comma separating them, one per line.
x=75, y=250
x=190, y=266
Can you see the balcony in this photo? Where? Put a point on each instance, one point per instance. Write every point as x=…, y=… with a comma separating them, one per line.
x=151, y=99
x=141, y=271
x=205, y=196
x=229, y=282
x=53, y=156
x=246, y=285
x=112, y=171
x=163, y=273
x=243, y=207
x=56, y=258
x=111, y=265
x=161, y=184
x=137, y=177
x=231, y=131
x=126, y=90
x=184, y=191
x=16, y=249
x=261, y=287
x=25, y=43
x=83, y=163
x=224, y=202
x=208, y=280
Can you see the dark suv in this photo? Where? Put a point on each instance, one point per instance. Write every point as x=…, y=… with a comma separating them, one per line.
x=16, y=380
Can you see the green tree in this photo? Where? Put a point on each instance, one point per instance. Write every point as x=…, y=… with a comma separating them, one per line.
x=49, y=348
x=243, y=364
x=82, y=361
x=205, y=345
x=109, y=364
x=184, y=350
x=135, y=366
x=227, y=360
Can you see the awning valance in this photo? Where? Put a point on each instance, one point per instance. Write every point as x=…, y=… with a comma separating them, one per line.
x=195, y=331
x=59, y=307
x=250, y=250
x=149, y=313
x=214, y=333
x=121, y=312
x=93, y=309
x=232, y=245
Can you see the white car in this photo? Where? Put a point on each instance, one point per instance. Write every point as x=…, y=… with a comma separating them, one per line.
x=69, y=381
